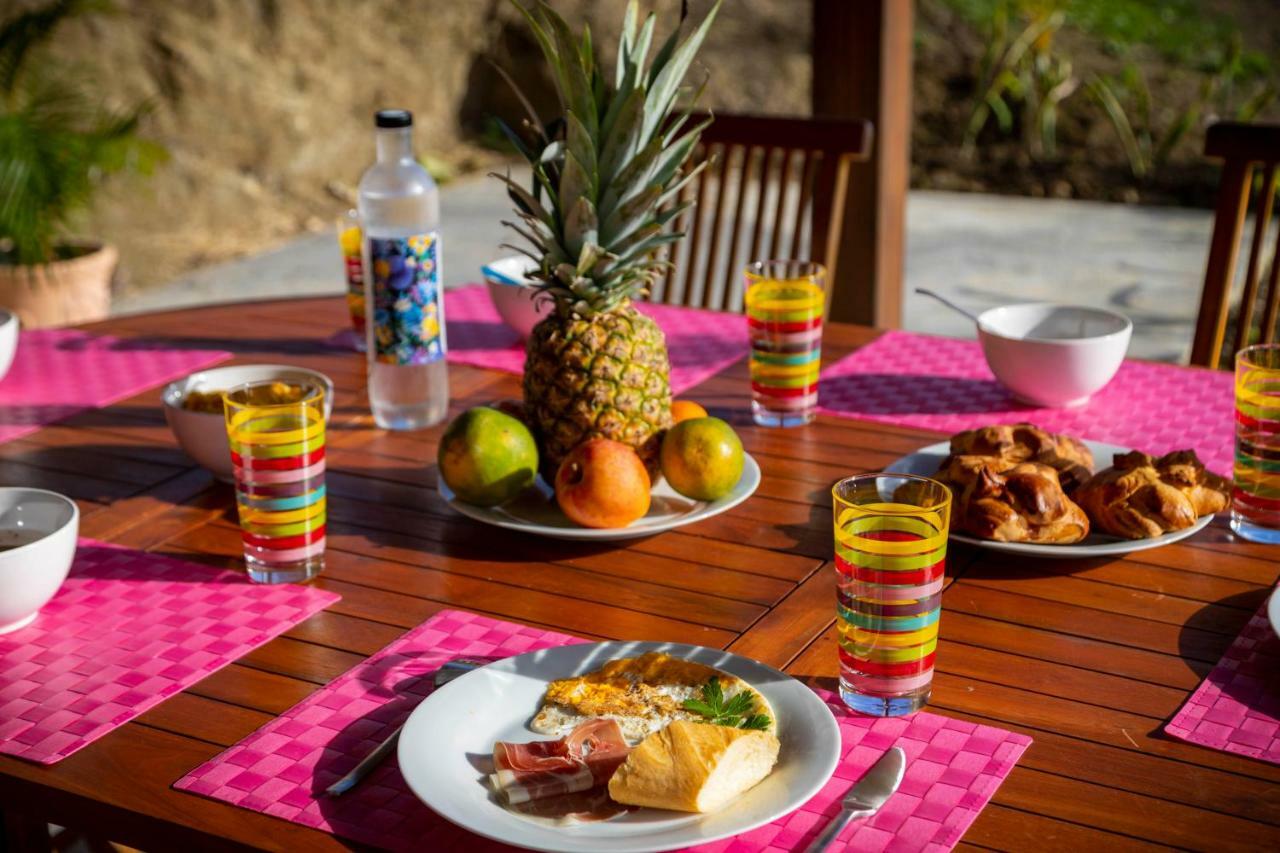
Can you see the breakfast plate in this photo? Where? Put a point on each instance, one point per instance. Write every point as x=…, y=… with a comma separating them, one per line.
x=449, y=739
x=536, y=511
x=926, y=460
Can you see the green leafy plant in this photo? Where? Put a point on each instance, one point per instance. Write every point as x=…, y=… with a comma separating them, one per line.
x=736, y=713
x=1148, y=144
x=1022, y=72
x=57, y=141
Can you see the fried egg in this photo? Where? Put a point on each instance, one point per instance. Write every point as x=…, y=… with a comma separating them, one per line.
x=644, y=694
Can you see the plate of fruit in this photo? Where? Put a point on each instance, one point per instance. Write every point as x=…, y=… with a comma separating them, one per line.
x=491, y=470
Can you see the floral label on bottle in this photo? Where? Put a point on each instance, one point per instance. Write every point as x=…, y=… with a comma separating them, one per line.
x=407, y=315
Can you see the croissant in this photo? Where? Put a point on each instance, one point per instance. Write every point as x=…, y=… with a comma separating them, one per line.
x=1141, y=496
x=1013, y=501
x=1028, y=443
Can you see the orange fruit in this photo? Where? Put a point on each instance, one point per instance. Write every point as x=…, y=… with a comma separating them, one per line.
x=702, y=458
x=602, y=483
x=683, y=410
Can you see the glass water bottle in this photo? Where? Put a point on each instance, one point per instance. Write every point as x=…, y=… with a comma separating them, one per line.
x=404, y=300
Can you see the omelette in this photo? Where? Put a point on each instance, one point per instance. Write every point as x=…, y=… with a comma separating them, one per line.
x=643, y=694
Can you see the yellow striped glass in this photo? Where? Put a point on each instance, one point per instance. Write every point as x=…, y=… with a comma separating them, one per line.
x=1255, y=498
x=277, y=452
x=785, y=302
x=891, y=549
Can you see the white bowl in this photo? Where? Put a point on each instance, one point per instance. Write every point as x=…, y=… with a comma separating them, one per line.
x=8, y=340
x=513, y=294
x=39, y=530
x=203, y=435
x=1053, y=355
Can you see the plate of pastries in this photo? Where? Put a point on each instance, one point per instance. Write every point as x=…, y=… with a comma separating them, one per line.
x=1024, y=490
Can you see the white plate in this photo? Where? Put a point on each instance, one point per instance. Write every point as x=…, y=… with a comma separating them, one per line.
x=927, y=459
x=448, y=740
x=1273, y=610
x=537, y=512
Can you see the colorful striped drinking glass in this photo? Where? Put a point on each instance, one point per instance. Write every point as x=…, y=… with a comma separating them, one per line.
x=1255, y=498
x=785, y=301
x=891, y=548
x=351, y=244
x=276, y=433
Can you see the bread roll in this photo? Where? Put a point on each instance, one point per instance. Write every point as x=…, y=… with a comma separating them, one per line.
x=694, y=767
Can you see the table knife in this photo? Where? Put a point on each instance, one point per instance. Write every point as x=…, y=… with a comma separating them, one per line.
x=866, y=796
x=446, y=673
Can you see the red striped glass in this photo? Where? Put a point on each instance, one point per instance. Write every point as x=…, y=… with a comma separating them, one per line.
x=1255, y=496
x=277, y=451
x=784, y=303
x=891, y=549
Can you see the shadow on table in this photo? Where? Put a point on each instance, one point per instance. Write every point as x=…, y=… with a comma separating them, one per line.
x=399, y=682
x=1211, y=630
x=284, y=346
x=893, y=394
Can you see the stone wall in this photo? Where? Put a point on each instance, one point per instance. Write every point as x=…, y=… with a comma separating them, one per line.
x=265, y=105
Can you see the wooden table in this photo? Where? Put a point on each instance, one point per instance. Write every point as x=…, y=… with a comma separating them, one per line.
x=1089, y=658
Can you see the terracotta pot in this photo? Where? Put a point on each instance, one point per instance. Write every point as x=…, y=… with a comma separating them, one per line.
x=62, y=293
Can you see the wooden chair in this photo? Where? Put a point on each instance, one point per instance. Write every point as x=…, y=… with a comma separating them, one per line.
x=1243, y=149
x=775, y=187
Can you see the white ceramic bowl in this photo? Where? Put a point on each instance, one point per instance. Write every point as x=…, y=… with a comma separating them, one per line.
x=513, y=294
x=38, y=531
x=1053, y=355
x=8, y=340
x=203, y=435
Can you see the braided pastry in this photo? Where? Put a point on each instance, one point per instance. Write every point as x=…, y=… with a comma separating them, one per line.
x=1142, y=496
x=1012, y=501
x=1027, y=443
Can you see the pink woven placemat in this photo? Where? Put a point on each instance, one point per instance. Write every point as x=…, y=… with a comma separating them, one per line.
x=944, y=384
x=954, y=767
x=1237, y=708
x=699, y=343
x=127, y=630
x=58, y=373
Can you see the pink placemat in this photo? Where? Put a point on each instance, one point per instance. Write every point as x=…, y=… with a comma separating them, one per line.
x=954, y=767
x=58, y=373
x=699, y=343
x=1237, y=708
x=127, y=630
x=944, y=384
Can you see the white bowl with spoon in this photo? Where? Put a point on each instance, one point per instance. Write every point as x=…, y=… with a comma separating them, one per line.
x=1049, y=354
x=38, y=531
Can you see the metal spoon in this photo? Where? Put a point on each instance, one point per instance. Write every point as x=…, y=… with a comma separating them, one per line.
x=924, y=291
x=446, y=673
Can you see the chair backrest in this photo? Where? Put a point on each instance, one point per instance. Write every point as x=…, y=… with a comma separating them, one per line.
x=1245, y=149
x=775, y=187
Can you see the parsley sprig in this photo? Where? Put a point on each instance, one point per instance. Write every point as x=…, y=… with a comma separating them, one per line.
x=736, y=713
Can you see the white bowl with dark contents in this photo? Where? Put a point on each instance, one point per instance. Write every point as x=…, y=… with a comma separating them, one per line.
x=38, y=531
x=8, y=340
x=513, y=294
x=1053, y=355
x=196, y=417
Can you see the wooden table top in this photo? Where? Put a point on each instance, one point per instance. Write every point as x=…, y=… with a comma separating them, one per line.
x=1088, y=658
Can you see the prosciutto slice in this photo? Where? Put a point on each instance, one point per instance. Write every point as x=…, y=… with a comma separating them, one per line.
x=582, y=760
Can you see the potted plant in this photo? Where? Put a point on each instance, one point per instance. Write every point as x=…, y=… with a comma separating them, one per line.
x=57, y=142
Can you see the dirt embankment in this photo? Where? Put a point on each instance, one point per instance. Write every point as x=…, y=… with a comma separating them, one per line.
x=266, y=106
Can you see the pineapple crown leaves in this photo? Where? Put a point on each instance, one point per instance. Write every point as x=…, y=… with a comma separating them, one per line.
x=607, y=176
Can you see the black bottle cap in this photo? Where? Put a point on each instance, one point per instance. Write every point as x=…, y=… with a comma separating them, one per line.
x=393, y=118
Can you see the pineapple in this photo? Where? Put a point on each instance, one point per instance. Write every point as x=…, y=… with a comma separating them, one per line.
x=606, y=183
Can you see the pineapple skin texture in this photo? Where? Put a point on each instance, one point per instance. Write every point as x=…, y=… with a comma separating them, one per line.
x=603, y=377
